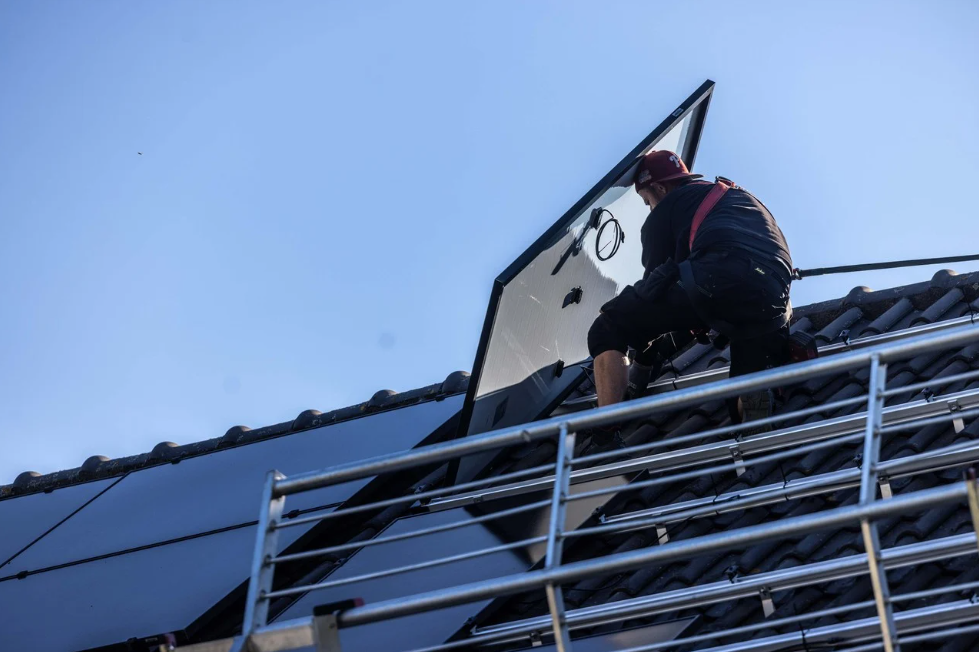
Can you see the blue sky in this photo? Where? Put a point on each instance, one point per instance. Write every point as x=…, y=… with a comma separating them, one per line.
x=327, y=189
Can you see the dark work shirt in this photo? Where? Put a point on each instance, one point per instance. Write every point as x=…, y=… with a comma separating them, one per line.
x=737, y=221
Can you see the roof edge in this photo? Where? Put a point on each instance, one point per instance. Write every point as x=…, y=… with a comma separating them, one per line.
x=873, y=303
x=98, y=467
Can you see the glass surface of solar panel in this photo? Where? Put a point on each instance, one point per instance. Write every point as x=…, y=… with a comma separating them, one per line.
x=223, y=489
x=138, y=594
x=26, y=518
x=422, y=629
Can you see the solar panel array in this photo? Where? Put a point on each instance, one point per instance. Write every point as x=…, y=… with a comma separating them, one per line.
x=150, y=552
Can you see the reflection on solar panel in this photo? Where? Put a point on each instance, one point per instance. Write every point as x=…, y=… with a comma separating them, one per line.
x=430, y=628
x=220, y=490
x=423, y=629
x=544, y=303
x=176, y=538
x=28, y=518
x=133, y=595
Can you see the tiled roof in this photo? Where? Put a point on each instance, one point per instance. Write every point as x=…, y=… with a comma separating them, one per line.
x=861, y=313
x=98, y=466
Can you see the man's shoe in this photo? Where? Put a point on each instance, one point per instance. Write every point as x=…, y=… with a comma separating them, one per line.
x=639, y=377
x=607, y=437
x=755, y=406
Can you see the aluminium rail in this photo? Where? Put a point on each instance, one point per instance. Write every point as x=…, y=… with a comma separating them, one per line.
x=928, y=462
x=738, y=587
x=889, y=626
x=735, y=448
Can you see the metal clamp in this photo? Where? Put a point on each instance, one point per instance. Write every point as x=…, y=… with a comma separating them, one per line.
x=955, y=406
x=326, y=632
x=885, y=487
x=767, y=604
x=326, y=635
x=738, y=458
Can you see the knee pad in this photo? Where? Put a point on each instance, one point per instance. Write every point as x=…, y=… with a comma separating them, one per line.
x=604, y=336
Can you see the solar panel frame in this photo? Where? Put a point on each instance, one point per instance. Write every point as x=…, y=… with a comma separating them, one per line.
x=532, y=384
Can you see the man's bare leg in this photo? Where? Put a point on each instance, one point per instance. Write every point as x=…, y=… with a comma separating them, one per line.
x=611, y=377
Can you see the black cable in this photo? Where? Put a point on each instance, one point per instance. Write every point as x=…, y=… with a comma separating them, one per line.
x=669, y=361
x=799, y=274
x=618, y=237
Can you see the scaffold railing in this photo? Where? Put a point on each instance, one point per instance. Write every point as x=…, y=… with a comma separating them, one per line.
x=727, y=449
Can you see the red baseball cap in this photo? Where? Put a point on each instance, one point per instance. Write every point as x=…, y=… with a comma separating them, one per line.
x=659, y=166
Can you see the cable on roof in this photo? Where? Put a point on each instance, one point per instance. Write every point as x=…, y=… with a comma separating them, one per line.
x=669, y=361
x=802, y=633
x=799, y=274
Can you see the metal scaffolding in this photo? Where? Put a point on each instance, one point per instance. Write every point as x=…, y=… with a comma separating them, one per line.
x=688, y=457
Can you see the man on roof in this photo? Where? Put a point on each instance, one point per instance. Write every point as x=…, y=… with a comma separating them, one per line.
x=714, y=259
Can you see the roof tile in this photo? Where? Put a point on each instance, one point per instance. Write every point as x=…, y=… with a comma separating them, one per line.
x=833, y=330
x=888, y=318
x=939, y=308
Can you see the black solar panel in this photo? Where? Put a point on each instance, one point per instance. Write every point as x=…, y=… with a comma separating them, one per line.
x=223, y=489
x=423, y=629
x=27, y=518
x=133, y=595
x=166, y=558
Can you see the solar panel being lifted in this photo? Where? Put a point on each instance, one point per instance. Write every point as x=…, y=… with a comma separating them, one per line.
x=541, y=307
x=163, y=545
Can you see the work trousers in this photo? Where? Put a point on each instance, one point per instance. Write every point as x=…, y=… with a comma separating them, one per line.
x=656, y=315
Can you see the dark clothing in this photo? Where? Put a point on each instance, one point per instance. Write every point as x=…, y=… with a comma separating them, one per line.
x=631, y=320
x=741, y=269
x=738, y=289
x=657, y=305
x=738, y=221
x=660, y=327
